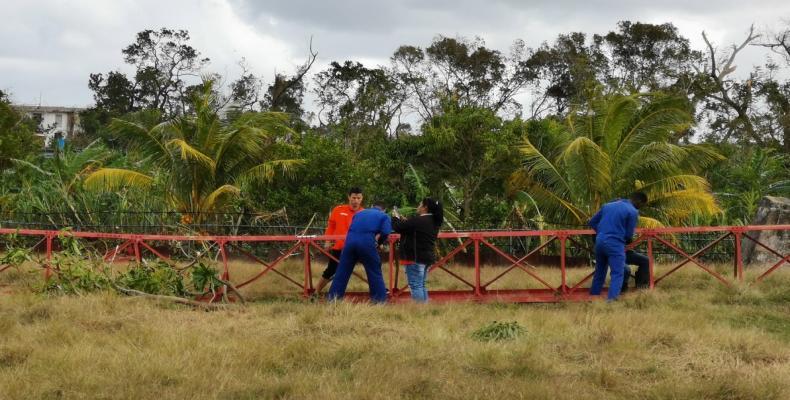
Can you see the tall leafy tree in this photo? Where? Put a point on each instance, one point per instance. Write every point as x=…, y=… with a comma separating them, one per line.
x=568, y=71
x=164, y=63
x=635, y=57
x=284, y=94
x=649, y=57
x=616, y=145
x=727, y=101
x=466, y=70
x=357, y=103
x=164, y=60
x=464, y=148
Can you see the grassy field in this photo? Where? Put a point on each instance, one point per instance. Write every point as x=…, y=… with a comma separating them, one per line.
x=690, y=338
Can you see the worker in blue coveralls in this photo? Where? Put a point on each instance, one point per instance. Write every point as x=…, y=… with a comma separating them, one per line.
x=614, y=226
x=369, y=229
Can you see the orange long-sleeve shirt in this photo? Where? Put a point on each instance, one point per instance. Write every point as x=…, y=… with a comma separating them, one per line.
x=339, y=221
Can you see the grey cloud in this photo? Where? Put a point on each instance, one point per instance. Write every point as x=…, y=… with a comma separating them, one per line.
x=50, y=46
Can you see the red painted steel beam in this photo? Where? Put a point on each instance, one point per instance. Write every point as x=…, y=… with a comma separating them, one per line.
x=522, y=259
x=772, y=269
x=440, y=264
x=442, y=235
x=693, y=258
x=271, y=267
x=161, y=256
x=510, y=259
x=761, y=244
x=689, y=258
x=259, y=261
x=581, y=282
x=478, y=292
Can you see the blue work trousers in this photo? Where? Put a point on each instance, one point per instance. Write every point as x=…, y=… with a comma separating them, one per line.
x=608, y=255
x=359, y=250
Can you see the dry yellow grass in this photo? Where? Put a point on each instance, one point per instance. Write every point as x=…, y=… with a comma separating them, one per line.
x=690, y=338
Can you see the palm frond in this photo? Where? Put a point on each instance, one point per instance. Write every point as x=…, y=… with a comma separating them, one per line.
x=215, y=199
x=674, y=183
x=612, y=116
x=677, y=206
x=416, y=181
x=655, y=122
x=649, y=223
x=29, y=165
x=266, y=171
x=552, y=205
x=539, y=168
x=141, y=138
x=585, y=162
x=700, y=157
x=190, y=153
x=111, y=179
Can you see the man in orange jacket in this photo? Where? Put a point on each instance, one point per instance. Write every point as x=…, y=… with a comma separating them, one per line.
x=339, y=221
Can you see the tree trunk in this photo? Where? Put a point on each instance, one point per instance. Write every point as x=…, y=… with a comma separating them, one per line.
x=467, y=204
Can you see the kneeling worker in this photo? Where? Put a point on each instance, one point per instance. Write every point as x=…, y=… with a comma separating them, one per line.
x=642, y=275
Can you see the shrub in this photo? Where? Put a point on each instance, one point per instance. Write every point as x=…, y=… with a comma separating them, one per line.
x=156, y=278
x=76, y=276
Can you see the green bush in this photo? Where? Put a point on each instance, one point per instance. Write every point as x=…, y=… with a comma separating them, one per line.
x=76, y=276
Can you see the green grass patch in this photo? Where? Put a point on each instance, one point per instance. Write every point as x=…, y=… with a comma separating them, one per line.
x=496, y=331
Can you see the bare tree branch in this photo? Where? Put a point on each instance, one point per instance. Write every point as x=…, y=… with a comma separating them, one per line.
x=728, y=67
x=300, y=73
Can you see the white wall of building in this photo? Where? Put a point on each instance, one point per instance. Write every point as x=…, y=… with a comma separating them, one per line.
x=54, y=120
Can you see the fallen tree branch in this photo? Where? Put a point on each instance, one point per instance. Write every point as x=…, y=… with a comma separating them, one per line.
x=174, y=299
x=234, y=290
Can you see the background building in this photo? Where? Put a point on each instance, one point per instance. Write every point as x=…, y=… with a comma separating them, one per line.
x=54, y=123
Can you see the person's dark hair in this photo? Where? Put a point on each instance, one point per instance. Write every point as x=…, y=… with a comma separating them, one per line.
x=639, y=199
x=434, y=207
x=355, y=190
x=380, y=204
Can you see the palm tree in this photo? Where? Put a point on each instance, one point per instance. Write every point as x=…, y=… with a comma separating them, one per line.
x=202, y=162
x=616, y=145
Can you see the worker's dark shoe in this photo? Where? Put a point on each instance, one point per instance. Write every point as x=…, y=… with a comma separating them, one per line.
x=314, y=297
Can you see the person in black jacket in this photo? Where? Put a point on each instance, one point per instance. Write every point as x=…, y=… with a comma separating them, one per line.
x=417, y=244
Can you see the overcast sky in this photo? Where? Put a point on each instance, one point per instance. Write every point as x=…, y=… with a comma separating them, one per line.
x=49, y=47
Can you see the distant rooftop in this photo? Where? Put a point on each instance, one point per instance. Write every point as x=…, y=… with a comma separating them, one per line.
x=47, y=109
